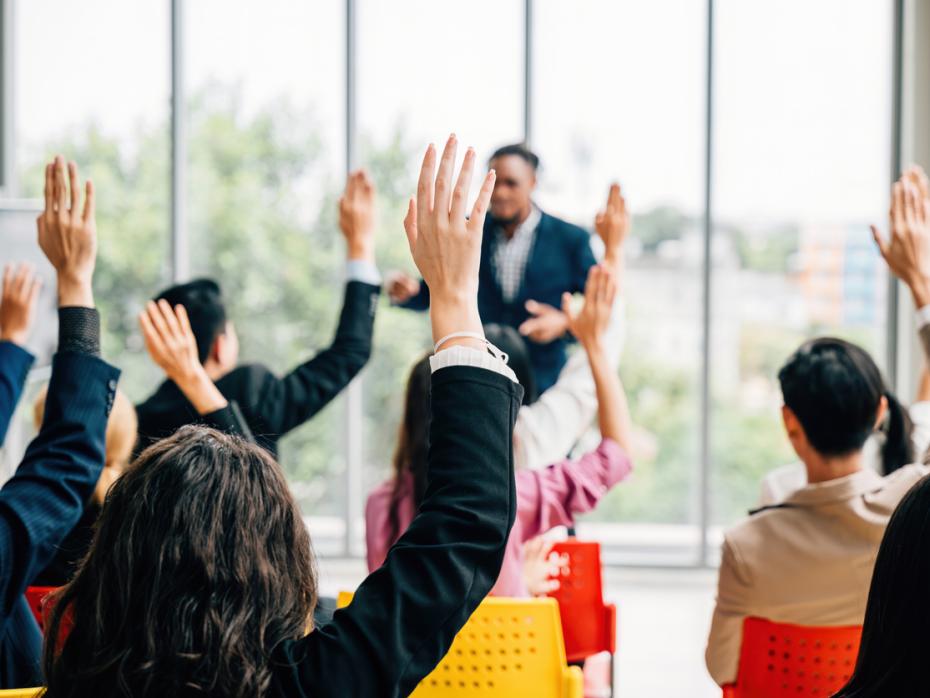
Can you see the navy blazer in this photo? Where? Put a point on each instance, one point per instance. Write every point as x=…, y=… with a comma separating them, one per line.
x=558, y=262
x=44, y=499
x=15, y=363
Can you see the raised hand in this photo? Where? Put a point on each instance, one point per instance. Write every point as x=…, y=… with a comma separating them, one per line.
x=68, y=232
x=171, y=344
x=357, y=215
x=907, y=251
x=612, y=225
x=18, y=303
x=445, y=246
x=546, y=324
x=401, y=288
x=590, y=323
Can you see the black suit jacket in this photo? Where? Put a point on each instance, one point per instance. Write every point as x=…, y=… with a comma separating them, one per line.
x=272, y=406
x=558, y=263
x=406, y=613
x=44, y=499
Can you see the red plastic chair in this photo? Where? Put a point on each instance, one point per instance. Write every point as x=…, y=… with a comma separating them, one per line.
x=35, y=597
x=777, y=660
x=588, y=624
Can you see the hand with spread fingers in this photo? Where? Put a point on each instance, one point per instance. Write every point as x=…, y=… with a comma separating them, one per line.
x=18, y=303
x=446, y=247
x=68, y=232
x=357, y=216
x=907, y=251
x=612, y=226
x=171, y=344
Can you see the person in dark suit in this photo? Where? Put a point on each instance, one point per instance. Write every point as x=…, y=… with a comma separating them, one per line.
x=227, y=611
x=17, y=314
x=273, y=405
x=44, y=499
x=528, y=260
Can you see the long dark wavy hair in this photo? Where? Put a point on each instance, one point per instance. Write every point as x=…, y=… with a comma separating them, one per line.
x=893, y=655
x=834, y=389
x=200, y=566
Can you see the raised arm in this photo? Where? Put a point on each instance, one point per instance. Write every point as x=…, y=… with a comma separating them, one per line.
x=17, y=314
x=170, y=342
x=44, y=499
x=406, y=613
x=287, y=402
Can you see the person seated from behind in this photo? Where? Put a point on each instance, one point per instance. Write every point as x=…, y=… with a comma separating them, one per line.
x=272, y=405
x=201, y=578
x=120, y=438
x=546, y=498
x=809, y=559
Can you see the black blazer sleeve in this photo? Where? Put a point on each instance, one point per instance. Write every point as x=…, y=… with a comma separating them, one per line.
x=420, y=301
x=406, y=613
x=44, y=499
x=15, y=363
x=285, y=403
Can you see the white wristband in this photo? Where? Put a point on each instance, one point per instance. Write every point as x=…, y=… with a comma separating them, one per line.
x=494, y=351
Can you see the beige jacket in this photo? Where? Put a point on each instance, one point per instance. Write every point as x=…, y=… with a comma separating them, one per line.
x=807, y=561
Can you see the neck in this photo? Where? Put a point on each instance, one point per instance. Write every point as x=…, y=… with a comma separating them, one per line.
x=823, y=468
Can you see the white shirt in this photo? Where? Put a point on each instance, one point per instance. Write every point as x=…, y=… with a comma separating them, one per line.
x=511, y=255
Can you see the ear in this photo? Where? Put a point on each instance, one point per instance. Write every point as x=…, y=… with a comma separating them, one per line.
x=882, y=412
x=793, y=429
x=216, y=349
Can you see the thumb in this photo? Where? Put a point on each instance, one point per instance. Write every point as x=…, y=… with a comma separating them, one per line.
x=877, y=236
x=533, y=307
x=528, y=327
x=567, y=304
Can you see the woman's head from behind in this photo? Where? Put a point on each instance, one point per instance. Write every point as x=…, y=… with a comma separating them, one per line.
x=835, y=398
x=200, y=566
x=892, y=657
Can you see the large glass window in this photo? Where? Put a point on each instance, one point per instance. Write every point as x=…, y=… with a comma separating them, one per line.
x=801, y=161
x=266, y=143
x=423, y=72
x=598, y=117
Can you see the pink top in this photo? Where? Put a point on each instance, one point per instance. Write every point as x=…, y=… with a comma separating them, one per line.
x=546, y=498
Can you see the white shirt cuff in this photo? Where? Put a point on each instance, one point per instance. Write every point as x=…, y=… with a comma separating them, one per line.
x=923, y=316
x=364, y=271
x=459, y=355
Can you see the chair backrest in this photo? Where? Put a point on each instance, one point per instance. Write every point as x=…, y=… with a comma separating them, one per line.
x=589, y=625
x=35, y=597
x=21, y=692
x=509, y=647
x=780, y=659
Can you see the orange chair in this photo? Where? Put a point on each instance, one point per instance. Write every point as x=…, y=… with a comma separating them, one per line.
x=35, y=597
x=777, y=660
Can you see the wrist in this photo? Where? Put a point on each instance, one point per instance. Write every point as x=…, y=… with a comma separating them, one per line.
x=360, y=252
x=449, y=316
x=594, y=348
x=920, y=291
x=75, y=292
x=14, y=337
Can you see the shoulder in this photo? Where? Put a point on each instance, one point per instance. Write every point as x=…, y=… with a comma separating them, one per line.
x=565, y=230
x=897, y=484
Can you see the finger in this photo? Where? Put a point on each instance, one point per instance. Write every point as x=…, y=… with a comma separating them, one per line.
x=567, y=306
x=61, y=188
x=532, y=307
x=910, y=203
x=90, y=204
x=75, y=187
x=478, y=211
x=550, y=585
x=897, y=208
x=153, y=340
x=170, y=320
x=613, y=197
x=425, y=183
x=879, y=242
x=590, y=287
x=34, y=290
x=7, y=278
x=598, y=220
x=610, y=289
x=184, y=322
x=158, y=320
x=528, y=327
x=20, y=279
x=463, y=185
x=366, y=182
x=49, y=188
x=444, y=178
x=410, y=223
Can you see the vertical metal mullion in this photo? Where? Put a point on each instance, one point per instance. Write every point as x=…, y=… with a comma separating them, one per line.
x=705, y=404
x=8, y=182
x=527, y=71
x=897, y=114
x=354, y=415
x=180, y=260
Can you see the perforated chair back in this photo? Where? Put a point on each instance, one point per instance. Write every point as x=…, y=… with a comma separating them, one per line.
x=589, y=625
x=779, y=660
x=35, y=597
x=508, y=648
x=21, y=692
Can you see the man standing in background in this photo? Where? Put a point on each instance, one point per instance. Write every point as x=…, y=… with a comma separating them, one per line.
x=528, y=260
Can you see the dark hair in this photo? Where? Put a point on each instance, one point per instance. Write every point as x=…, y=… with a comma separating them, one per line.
x=509, y=341
x=200, y=566
x=834, y=389
x=520, y=150
x=203, y=302
x=892, y=656
x=412, y=441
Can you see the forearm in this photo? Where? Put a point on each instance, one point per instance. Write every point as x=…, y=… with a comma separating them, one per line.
x=201, y=392
x=923, y=386
x=613, y=413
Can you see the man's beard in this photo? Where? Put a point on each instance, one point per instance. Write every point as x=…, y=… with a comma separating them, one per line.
x=504, y=222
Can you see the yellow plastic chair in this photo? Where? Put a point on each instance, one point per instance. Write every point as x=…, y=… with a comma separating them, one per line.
x=21, y=692
x=508, y=648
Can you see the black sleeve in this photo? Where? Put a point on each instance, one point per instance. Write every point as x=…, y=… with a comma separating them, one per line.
x=420, y=301
x=286, y=403
x=230, y=420
x=406, y=613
